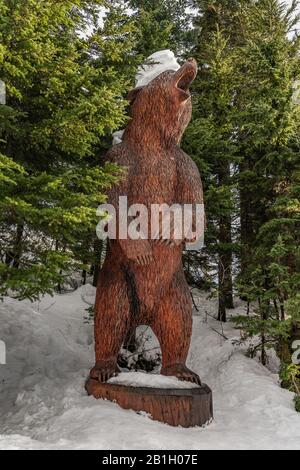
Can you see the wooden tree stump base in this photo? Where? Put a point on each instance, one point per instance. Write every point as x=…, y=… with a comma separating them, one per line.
x=177, y=407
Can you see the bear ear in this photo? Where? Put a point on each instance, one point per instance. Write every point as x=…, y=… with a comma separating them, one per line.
x=133, y=94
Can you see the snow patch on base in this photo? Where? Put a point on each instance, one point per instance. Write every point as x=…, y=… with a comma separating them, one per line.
x=141, y=379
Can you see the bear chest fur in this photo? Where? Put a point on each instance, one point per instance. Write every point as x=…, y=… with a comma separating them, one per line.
x=153, y=182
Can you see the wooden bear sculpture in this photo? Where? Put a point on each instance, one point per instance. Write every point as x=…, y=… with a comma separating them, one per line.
x=142, y=281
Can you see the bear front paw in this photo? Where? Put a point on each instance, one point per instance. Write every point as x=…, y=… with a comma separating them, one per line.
x=181, y=372
x=104, y=370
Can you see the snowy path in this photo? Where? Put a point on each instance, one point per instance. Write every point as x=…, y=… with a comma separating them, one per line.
x=43, y=404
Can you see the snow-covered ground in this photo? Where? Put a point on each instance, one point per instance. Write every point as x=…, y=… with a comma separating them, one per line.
x=43, y=404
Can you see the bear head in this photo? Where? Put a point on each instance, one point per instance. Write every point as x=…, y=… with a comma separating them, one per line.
x=161, y=110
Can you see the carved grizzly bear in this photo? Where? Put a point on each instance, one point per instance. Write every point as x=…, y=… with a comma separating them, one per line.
x=142, y=281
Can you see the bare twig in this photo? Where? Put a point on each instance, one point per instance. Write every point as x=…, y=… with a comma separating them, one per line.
x=141, y=352
x=86, y=302
x=209, y=315
x=221, y=334
x=50, y=306
x=194, y=303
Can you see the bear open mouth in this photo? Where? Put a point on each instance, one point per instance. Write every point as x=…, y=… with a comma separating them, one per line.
x=185, y=80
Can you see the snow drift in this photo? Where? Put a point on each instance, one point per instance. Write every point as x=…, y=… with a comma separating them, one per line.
x=43, y=404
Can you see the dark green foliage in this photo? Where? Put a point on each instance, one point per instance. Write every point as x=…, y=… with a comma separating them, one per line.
x=269, y=173
x=210, y=141
x=163, y=24
x=245, y=139
x=270, y=332
x=290, y=376
x=64, y=95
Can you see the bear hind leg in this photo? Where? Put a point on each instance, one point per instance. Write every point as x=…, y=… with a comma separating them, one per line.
x=173, y=328
x=112, y=311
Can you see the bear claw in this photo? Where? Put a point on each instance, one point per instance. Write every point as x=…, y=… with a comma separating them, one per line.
x=182, y=373
x=103, y=371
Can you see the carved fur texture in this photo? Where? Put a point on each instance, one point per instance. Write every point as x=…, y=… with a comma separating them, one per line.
x=142, y=281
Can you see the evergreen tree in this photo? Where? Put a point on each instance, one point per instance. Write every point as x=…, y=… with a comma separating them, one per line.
x=211, y=136
x=268, y=68
x=163, y=24
x=64, y=95
x=268, y=128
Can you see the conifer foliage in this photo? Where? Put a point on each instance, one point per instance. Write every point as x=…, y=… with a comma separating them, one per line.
x=64, y=93
x=67, y=67
x=245, y=139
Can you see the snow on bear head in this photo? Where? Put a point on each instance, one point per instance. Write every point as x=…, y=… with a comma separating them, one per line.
x=164, y=82
x=156, y=64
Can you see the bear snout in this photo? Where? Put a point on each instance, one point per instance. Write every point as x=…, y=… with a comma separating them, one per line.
x=192, y=60
x=185, y=76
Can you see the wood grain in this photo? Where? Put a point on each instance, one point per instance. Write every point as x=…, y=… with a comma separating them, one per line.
x=142, y=282
x=176, y=407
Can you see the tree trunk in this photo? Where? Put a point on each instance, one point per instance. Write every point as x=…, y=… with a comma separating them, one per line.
x=57, y=249
x=222, y=308
x=98, y=247
x=18, y=245
x=13, y=256
x=225, y=254
x=247, y=214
